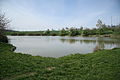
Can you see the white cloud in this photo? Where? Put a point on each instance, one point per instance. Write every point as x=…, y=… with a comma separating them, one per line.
x=34, y=15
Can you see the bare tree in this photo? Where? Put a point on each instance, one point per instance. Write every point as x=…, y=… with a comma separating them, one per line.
x=3, y=23
x=99, y=23
x=100, y=26
x=3, y=26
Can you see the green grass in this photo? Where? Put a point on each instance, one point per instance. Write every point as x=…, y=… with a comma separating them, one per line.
x=32, y=33
x=102, y=65
x=23, y=32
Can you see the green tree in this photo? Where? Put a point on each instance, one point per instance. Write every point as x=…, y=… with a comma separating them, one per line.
x=47, y=32
x=62, y=32
x=74, y=31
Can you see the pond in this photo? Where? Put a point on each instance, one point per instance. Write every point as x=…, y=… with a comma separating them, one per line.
x=57, y=46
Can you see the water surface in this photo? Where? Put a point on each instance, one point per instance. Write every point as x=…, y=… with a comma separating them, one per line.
x=57, y=46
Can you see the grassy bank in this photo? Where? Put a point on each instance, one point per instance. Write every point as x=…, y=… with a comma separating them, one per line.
x=102, y=65
x=60, y=33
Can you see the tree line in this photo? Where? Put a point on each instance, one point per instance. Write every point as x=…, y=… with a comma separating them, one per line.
x=101, y=29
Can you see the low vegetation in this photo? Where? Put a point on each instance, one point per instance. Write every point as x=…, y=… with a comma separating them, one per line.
x=101, y=65
x=103, y=30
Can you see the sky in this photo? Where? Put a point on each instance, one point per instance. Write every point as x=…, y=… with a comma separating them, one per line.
x=31, y=15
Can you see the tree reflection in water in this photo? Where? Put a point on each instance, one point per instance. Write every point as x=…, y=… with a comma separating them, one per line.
x=99, y=43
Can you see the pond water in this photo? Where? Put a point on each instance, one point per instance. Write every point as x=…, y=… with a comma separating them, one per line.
x=57, y=46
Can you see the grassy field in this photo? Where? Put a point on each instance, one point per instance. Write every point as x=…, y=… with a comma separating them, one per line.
x=102, y=65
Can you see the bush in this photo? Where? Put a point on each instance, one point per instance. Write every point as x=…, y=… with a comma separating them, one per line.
x=108, y=32
x=3, y=39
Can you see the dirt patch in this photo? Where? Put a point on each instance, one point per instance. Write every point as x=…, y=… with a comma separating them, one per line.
x=50, y=68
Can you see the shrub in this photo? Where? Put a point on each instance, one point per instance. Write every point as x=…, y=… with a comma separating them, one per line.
x=3, y=39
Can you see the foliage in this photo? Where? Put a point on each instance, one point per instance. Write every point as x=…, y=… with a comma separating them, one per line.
x=74, y=31
x=47, y=32
x=63, y=32
x=102, y=29
x=3, y=39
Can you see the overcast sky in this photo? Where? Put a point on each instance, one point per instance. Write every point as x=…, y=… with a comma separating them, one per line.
x=56, y=14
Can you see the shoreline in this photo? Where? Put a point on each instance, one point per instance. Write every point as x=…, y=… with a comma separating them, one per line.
x=101, y=65
x=111, y=35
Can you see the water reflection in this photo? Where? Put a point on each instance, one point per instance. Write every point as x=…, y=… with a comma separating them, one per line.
x=87, y=41
x=99, y=47
x=71, y=41
x=98, y=42
x=56, y=46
